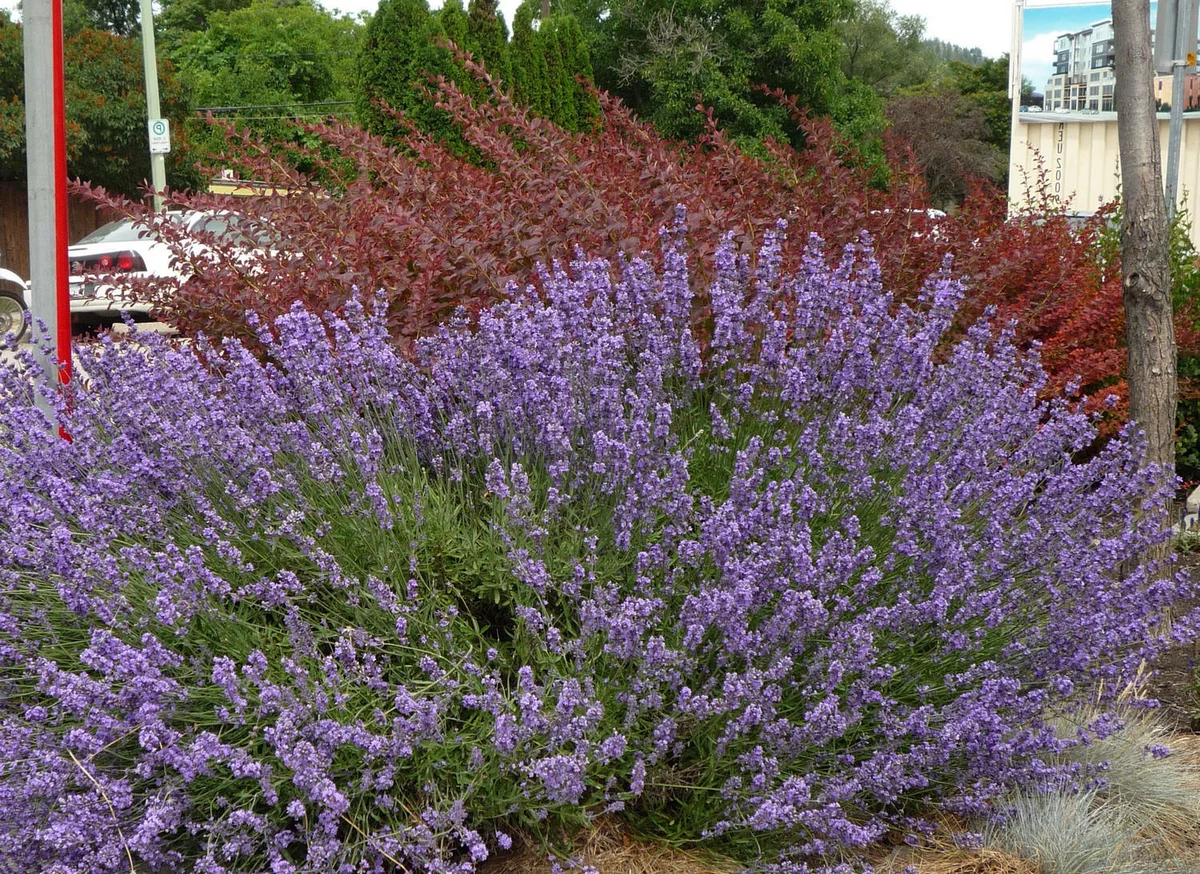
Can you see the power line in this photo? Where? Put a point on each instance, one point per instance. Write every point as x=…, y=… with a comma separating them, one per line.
x=277, y=117
x=283, y=106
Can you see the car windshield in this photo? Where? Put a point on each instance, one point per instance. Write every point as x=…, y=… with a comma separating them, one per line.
x=238, y=229
x=125, y=231
x=227, y=227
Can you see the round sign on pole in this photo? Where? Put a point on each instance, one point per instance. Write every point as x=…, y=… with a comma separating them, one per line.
x=160, y=136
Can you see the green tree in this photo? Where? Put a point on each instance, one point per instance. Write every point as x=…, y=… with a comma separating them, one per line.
x=105, y=111
x=181, y=17
x=487, y=38
x=398, y=53
x=120, y=17
x=661, y=55
x=986, y=85
x=884, y=50
x=944, y=51
x=530, y=72
x=270, y=54
x=455, y=23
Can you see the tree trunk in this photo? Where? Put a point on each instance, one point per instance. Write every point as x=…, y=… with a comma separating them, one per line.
x=1145, y=262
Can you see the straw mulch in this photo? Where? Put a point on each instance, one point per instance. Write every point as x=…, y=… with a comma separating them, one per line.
x=610, y=849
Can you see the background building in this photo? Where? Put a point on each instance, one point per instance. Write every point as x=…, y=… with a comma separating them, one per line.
x=1083, y=75
x=1164, y=87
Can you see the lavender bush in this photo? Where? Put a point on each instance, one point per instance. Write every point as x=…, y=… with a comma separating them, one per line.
x=328, y=610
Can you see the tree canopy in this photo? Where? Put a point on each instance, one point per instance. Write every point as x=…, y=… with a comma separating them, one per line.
x=398, y=53
x=266, y=53
x=404, y=47
x=105, y=109
x=662, y=56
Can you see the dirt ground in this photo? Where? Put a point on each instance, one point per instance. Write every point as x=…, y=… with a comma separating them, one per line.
x=1175, y=683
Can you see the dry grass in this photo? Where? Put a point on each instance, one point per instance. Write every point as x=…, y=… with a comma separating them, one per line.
x=1170, y=845
x=954, y=860
x=611, y=850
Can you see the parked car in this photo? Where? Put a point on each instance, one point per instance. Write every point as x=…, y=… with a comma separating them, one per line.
x=14, y=304
x=108, y=265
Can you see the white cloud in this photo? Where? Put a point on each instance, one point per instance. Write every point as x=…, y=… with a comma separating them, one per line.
x=1037, y=58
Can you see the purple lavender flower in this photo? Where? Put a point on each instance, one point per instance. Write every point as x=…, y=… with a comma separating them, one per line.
x=330, y=610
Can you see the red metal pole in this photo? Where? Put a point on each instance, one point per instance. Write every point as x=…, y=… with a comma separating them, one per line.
x=61, y=224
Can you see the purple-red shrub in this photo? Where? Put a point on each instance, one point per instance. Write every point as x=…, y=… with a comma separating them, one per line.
x=433, y=232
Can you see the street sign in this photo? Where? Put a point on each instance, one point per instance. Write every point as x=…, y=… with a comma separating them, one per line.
x=160, y=136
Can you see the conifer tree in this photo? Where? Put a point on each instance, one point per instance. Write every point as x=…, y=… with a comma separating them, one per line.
x=562, y=85
x=548, y=57
x=530, y=73
x=487, y=38
x=455, y=23
x=577, y=64
x=399, y=53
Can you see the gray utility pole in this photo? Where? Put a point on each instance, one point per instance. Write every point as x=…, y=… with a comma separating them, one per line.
x=47, y=173
x=158, y=167
x=1175, y=53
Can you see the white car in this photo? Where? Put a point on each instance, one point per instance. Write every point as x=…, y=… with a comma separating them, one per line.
x=14, y=302
x=107, y=265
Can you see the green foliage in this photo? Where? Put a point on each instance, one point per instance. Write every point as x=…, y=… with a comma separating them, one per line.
x=105, y=108
x=661, y=57
x=121, y=17
x=548, y=58
x=398, y=54
x=944, y=51
x=884, y=50
x=986, y=85
x=530, y=72
x=1187, y=443
x=455, y=22
x=269, y=54
x=181, y=17
x=567, y=59
x=487, y=38
x=482, y=33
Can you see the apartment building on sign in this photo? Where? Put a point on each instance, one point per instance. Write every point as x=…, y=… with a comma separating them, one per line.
x=1083, y=75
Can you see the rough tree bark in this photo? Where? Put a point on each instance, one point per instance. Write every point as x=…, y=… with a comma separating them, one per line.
x=1145, y=263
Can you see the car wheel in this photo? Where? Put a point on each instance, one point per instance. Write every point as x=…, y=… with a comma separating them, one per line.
x=12, y=314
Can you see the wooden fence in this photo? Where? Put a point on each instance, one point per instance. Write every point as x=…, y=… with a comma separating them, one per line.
x=82, y=219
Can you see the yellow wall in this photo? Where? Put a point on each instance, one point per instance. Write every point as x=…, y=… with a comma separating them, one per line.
x=1082, y=164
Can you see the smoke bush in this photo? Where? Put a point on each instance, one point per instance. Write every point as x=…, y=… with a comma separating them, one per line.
x=434, y=230
x=337, y=610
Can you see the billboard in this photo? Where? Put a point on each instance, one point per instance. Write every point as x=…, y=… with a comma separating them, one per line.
x=1064, y=133
x=1066, y=61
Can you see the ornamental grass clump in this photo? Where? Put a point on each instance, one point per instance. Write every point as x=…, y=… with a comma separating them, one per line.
x=782, y=593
